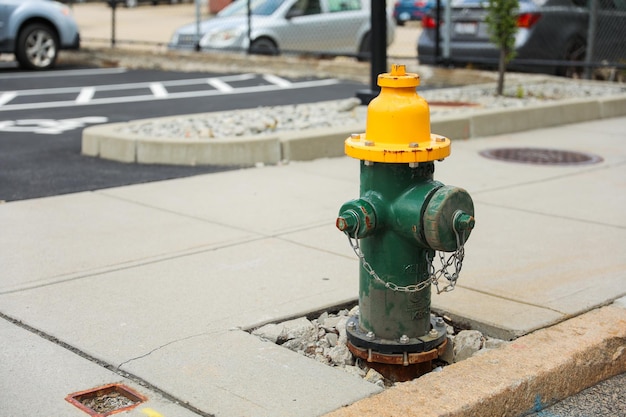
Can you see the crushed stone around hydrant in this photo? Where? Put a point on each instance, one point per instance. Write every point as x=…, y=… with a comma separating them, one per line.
x=324, y=339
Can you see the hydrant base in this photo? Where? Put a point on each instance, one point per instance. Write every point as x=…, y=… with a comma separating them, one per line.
x=399, y=367
x=368, y=340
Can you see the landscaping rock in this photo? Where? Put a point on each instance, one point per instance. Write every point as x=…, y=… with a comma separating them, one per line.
x=467, y=343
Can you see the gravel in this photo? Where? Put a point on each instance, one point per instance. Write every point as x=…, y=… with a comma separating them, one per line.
x=271, y=120
x=324, y=339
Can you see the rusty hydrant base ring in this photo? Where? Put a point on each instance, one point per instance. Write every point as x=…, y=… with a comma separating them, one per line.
x=398, y=358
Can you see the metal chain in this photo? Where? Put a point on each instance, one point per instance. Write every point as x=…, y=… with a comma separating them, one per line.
x=455, y=259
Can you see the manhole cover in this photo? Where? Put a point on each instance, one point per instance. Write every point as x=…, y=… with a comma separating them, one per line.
x=541, y=156
x=107, y=400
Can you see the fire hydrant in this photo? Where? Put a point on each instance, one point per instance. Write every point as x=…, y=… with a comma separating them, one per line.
x=403, y=216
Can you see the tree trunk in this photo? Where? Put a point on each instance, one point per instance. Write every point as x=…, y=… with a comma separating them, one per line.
x=501, y=70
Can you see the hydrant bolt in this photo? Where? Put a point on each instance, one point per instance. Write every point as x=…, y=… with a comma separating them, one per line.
x=464, y=221
x=346, y=222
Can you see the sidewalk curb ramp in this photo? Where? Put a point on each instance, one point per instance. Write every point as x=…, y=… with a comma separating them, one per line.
x=106, y=141
x=528, y=374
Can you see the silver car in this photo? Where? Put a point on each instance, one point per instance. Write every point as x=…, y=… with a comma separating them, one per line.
x=332, y=27
x=35, y=31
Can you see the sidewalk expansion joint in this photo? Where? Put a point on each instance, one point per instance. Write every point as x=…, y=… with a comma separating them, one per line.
x=112, y=368
x=104, y=193
x=554, y=216
x=517, y=301
x=155, y=259
x=260, y=235
x=550, y=178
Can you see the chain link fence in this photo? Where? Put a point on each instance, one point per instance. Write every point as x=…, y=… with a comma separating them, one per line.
x=273, y=27
x=575, y=38
x=323, y=28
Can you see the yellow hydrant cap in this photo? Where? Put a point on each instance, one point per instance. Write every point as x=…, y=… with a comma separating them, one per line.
x=398, y=124
x=398, y=77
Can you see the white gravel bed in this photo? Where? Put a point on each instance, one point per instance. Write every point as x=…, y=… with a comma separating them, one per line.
x=270, y=120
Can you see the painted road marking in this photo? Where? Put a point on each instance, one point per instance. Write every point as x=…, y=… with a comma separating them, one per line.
x=220, y=85
x=158, y=89
x=151, y=97
x=281, y=82
x=85, y=95
x=6, y=97
x=48, y=126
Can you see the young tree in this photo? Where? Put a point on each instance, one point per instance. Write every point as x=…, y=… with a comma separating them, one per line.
x=502, y=23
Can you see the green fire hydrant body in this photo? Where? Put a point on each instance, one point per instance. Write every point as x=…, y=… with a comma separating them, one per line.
x=400, y=219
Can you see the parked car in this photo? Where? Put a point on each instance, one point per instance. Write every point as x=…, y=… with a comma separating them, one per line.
x=35, y=31
x=406, y=10
x=134, y=3
x=548, y=30
x=331, y=27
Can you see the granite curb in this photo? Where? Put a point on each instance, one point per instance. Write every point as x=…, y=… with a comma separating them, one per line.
x=106, y=141
x=526, y=375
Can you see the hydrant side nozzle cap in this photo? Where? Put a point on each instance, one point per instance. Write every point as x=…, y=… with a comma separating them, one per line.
x=398, y=78
x=449, y=208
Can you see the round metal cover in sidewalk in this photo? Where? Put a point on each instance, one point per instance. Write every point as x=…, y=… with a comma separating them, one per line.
x=541, y=156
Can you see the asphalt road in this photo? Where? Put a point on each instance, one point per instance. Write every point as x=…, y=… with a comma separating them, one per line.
x=42, y=116
x=606, y=399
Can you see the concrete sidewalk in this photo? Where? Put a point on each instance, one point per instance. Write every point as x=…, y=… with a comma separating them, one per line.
x=155, y=284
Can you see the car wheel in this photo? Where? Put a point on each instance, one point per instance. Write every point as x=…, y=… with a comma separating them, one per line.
x=37, y=47
x=576, y=50
x=365, y=50
x=263, y=46
x=400, y=22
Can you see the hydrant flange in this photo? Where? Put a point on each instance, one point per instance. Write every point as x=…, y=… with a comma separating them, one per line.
x=367, y=340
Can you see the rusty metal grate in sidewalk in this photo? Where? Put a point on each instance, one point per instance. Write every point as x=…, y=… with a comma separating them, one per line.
x=106, y=400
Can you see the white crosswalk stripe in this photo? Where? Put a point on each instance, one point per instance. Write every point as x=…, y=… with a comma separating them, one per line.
x=158, y=89
x=85, y=95
x=155, y=90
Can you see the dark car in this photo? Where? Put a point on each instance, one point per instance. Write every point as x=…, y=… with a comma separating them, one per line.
x=550, y=34
x=406, y=10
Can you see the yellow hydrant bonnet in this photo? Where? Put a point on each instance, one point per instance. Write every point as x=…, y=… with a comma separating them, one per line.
x=398, y=124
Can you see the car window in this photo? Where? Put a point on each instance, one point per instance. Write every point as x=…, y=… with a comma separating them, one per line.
x=305, y=7
x=468, y=3
x=612, y=4
x=343, y=5
x=258, y=7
